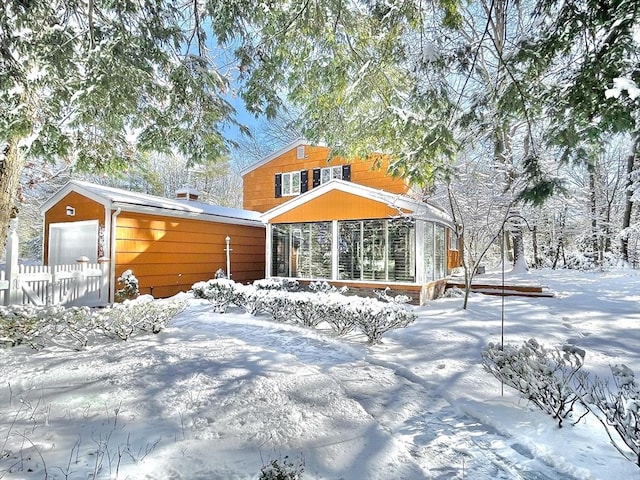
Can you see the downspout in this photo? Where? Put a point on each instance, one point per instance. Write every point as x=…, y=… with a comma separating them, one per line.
x=112, y=234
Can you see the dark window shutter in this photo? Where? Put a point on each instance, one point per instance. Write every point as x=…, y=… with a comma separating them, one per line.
x=316, y=177
x=346, y=173
x=304, y=181
x=278, y=185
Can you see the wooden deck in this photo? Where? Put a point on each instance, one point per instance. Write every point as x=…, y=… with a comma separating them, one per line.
x=510, y=290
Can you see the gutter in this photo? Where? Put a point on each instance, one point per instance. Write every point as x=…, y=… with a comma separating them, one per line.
x=112, y=289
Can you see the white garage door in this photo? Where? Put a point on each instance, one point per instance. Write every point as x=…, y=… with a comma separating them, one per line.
x=70, y=240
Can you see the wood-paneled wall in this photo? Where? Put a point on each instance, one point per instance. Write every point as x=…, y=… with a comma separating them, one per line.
x=169, y=255
x=259, y=184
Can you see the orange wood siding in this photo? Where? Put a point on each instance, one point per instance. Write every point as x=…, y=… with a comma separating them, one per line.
x=169, y=254
x=259, y=184
x=337, y=205
x=85, y=209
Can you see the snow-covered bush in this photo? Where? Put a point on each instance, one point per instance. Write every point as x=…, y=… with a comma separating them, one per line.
x=279, y=305
x=323, y=304
x=121, y=321
x=544, y=377
x=277, y=284
x=250, y=298
x=284, y=469
x=39, y=327
x=130, y=286
x=375, y=318
x=618, y=408
x=219, y=291
x=75, y=327
x=325, y=287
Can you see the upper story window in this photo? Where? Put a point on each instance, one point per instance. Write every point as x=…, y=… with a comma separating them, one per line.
x=329, y=173
x=290, y=183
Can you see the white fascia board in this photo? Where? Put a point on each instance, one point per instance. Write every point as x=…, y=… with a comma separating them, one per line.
x=268, y=158
x=73, y=186
x=166, y=212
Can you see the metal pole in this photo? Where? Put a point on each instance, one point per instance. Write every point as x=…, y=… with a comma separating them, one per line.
x=228, y=250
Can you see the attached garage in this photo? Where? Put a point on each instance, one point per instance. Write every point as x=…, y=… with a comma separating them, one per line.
x=169, y=244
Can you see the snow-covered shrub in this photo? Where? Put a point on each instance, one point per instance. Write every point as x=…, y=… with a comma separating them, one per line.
x=276, y=283
x=308, y=309
x=618, y=408
x=249, y=298
x=283, y=469
x=130, y=286
x=339, y=318
x=219, y=291
x=374, y=318
x=324, y=287
x=544, y=377
x=39, y=327
x=75, y=327
x=279, y=305
x=220, y=273
x=122, y=320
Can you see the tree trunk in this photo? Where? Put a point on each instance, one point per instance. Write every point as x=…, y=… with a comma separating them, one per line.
x=626, y=217
x=11, y=166
x=593, y=204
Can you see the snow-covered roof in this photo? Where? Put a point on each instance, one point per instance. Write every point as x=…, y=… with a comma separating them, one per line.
x=422, y=210
x=143, y=203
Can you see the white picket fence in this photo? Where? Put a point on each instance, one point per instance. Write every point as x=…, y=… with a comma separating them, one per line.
x=81, y=284
x=70, y=285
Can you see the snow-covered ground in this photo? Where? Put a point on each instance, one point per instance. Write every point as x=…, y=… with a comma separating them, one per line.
x=217, y=396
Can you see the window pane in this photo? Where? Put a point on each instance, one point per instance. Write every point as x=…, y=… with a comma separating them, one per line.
x=295, y=183
x=336, y=172
x=373, y=250
x=401, y=253
x=326, y=175
x=428, y=252
x=286, y=184
x=440, y=252
x=302, y=250
x=281, y=251
x=350, y=250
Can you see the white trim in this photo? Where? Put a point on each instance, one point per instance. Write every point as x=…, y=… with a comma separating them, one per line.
x=263, y=161
x=73, y=186
x=335, y=254
x=268, y=254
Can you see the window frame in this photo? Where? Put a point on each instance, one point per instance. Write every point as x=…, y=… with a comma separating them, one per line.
x=288, y=183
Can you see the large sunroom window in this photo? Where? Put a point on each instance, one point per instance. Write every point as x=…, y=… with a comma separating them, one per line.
x=382, y=250
x=302, y=250
x=435, y=255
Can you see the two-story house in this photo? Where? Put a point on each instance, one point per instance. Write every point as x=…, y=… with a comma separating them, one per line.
x=348, y=223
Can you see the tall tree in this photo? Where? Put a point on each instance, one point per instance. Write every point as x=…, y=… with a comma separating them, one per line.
x=90, y=82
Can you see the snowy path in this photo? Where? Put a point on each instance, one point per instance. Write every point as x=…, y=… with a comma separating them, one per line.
x=419, y=432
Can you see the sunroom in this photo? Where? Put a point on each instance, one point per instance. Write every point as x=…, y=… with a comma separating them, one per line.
x=349, y=234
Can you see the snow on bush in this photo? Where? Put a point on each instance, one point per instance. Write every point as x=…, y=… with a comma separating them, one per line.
x=544, y=377
x=283, y=469
x=131, y=287
x=324, y=303
x=553, y=381
x=76, y=327
x=219, y=291
x=617, y=408
x=121, y=321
